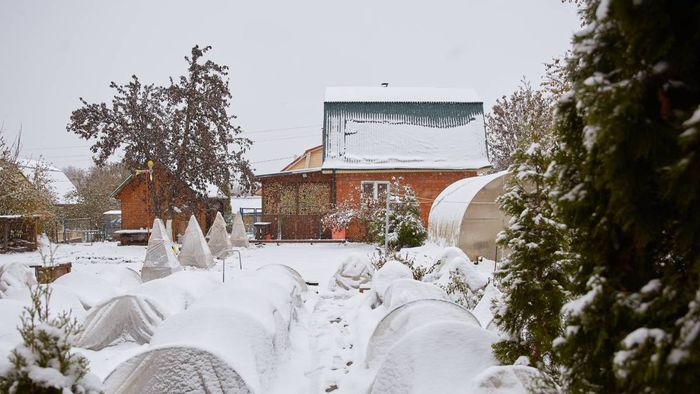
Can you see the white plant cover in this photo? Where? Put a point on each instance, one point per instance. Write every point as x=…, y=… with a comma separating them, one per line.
x=15, y=276
x=390, y=271
x=402, y=291
x=280, y=294
x=482, y=310
x=125, y=318
x=511, y=379
x=175, y=369
x=91, y=290
x=408, y=317
x=441, y=357
x=160, y=258
x=219, y=240
x=195, y=251
x=118, y=276
x=239, y=238
x=204, y=349
x=354, y=272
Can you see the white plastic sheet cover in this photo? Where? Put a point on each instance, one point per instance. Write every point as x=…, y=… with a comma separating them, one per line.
x=125, y=318
x=195, y=251
x=160, y=258
x=408, y=317
x=15, y=276
x=403, y=291
x=219, y=240
x=239, y=238
x=354, y=272
x=442, y=357
x=204, y=349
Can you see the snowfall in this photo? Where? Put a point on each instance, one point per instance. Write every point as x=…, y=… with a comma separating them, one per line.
x=287, y=318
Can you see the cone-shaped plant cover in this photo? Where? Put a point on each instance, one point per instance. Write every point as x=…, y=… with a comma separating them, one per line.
x=160, y=259
x=195, y=251
x=219, y=241
x=239, y=238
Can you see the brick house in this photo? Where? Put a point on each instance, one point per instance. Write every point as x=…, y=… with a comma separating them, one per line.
x=429, y=137
x=137, y=215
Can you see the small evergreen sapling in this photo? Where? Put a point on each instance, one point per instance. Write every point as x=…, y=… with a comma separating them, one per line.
x=405, y=226
x=43, y=363
x=531, y=277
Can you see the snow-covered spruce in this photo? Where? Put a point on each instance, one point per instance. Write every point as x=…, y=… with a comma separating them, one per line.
x=531, y=277
x=43, y=362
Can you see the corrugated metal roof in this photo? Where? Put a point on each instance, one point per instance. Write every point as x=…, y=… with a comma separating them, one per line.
x=350, y=94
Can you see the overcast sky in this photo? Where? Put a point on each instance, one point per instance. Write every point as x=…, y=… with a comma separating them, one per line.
x=282, y=55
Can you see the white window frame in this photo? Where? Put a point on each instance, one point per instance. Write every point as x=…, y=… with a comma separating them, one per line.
x=375, y=188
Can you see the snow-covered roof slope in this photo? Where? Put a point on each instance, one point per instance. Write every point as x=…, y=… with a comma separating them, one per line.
x=56, y=180
x=399, y=95
x=410, y=135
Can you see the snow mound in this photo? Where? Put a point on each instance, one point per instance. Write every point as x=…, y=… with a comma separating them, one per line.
x=63, y=299
x=402, y=320
x=195, y=251
x=454, y=262
x=239, y=237
x=90, y=289
x=160, y=258
x=390, y=271
x=352, y=273
x=511, y=379
x=441, y=357
x=178, y=291
x=290, y=272
x=14, y=276
x=120, y=277
x=172, y=369
x=402, y=291
x=482, y=310
x=282, y=297
x=11, y=311
x=219, y=241
x=125, y=318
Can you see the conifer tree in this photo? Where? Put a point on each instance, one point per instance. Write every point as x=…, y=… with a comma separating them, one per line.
x=531, y=277
x=44, y=362
x=627, y=182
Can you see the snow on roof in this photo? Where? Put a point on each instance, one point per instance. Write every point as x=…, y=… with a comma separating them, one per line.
x=56, y=180
x=245, y=202
x=400, y=95
x=113, y=212
x=382, y=144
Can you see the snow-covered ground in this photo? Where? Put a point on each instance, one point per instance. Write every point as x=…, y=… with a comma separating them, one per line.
x=325, y=344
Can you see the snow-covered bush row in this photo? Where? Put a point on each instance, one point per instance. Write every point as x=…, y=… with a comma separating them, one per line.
x=228, y=340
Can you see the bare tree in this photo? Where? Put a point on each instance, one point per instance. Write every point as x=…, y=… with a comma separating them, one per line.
x=185, y=128
x=520, y=118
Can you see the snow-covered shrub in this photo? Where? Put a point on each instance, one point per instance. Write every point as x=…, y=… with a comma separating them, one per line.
x=43, y=362
x=405, y=226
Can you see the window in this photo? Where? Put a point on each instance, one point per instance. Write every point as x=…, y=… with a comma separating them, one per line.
x=374, y=189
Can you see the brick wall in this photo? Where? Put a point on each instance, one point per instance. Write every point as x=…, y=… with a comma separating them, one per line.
x=136, y=213
x=427, y=185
